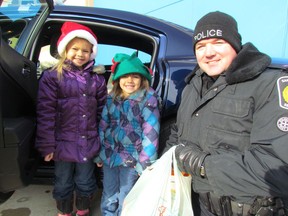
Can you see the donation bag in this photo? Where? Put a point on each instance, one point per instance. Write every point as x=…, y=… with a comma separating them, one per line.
x=161, y=190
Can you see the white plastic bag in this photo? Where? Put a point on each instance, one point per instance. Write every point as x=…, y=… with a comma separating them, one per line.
x=158, y=193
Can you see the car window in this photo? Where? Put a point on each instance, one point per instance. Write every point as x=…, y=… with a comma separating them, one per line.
x=46, y=60
x=14, y=17
x=112, y=39
x=108, y=51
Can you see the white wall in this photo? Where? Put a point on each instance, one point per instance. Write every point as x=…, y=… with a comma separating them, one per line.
x=263, y=22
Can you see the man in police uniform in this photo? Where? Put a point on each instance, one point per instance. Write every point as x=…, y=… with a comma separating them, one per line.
x=232, y=125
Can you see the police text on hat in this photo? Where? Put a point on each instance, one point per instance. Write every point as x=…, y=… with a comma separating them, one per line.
x=218, y=25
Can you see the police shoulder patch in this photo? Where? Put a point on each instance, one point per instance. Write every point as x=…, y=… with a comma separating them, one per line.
x=282, y=84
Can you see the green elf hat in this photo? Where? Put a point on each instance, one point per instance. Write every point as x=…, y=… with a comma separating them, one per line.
x=124, y=64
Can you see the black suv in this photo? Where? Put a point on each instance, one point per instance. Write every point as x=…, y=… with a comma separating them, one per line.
x=28, y=45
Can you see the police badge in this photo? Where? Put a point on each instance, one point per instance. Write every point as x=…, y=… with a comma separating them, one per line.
x=282, y=84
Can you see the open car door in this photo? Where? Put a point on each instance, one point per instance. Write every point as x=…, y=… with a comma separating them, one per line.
x=20, y=23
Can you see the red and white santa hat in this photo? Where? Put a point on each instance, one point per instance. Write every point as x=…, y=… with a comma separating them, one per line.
x=70, y=30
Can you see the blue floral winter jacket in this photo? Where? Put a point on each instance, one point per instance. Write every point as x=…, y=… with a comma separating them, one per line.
x=129, y=130
x=68, y=113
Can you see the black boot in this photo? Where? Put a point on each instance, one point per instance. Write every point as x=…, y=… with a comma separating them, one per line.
x=65, y=206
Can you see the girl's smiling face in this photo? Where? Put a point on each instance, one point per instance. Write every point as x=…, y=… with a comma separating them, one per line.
x=79, y=51
x=129, y=84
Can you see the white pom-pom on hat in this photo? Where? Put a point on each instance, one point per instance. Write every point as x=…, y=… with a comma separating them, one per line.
x=70, y=30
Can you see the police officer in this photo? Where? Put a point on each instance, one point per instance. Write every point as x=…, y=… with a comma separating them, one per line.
x=232, y=125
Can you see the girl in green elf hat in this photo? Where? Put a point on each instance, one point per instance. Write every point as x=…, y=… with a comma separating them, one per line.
x=129, y=130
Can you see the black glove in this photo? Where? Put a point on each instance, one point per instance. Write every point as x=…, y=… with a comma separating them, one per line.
x=190, y=158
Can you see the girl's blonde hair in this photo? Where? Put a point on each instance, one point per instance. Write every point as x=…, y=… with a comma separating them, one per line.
x=117, y=91
x=60, y=65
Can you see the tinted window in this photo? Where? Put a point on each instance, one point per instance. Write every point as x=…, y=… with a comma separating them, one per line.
x=14, y=16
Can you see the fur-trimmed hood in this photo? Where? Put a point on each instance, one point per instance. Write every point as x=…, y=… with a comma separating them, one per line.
x=248, y=64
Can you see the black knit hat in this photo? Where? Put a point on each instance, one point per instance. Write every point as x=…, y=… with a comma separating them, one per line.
x=218, y=25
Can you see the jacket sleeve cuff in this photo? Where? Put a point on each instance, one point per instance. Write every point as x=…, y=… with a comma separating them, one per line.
x=97, y=159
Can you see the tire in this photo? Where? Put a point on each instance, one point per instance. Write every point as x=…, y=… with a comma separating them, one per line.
x=165, y=131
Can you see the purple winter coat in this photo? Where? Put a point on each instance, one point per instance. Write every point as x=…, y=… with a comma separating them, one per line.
x=68, y=113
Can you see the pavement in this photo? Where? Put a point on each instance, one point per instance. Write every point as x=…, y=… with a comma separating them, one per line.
x=37, y=200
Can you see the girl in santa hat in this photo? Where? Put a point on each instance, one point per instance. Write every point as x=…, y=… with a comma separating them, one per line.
x=70, y=101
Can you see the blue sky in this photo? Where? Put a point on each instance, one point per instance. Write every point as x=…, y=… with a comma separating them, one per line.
x=263, y=22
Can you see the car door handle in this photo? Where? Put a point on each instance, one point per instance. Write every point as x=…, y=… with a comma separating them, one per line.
x=26, y=72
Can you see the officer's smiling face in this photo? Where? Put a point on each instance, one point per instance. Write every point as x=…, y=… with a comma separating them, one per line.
x=214, y=55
